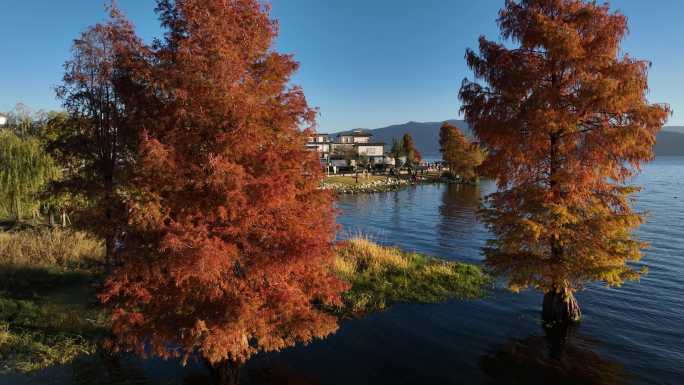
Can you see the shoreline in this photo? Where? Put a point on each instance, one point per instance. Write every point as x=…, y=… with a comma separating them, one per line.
x=60, y=321
x=376, y=184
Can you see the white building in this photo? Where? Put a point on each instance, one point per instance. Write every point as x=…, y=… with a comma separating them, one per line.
x=347, y=148
x=370, y=149
x=320, y=143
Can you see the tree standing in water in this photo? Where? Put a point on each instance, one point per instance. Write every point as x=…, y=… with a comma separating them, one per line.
x=229, y=246
x=458, y=153
x=566, y=123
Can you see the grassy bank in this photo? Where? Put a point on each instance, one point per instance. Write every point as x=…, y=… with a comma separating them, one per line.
x=345, y=180
x=49, y=314
x=48, y=311
x=381, y=276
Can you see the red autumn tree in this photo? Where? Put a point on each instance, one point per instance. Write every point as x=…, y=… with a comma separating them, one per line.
x=413, y=156
x=460, y=155
x=565, y=119
x=229, y=244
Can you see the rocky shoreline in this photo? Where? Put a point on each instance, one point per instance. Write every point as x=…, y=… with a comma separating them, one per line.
x=385, y=185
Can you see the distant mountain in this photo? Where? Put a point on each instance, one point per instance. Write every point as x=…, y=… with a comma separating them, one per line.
x=425, y=135
x=670, y=140
x=679, y=129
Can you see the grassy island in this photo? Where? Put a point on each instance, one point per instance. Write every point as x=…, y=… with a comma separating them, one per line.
x=382, y=275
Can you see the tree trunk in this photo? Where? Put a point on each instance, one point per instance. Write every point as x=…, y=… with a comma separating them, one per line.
x=109, y=250
x=560, y=306
x=226, y=372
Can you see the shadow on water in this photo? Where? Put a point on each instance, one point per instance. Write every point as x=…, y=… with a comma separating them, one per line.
x=104, y=369
x=558, y=357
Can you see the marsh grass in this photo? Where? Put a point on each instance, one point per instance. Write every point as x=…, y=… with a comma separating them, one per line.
x=48, y=314
x=380, y=276
x=45, y=247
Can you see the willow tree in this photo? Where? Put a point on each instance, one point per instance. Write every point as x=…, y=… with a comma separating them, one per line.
x=564, y=116
x=229, y=242
x=25, y=168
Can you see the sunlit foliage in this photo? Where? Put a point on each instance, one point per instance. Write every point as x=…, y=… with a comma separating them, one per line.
x=229, y=243
x=460, y=155
x=564, y=116
x=413, y=156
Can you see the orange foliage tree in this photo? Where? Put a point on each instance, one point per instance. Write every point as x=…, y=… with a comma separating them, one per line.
x=460, y=155
x=565, y=119
x=413, y=156
x=229, y=240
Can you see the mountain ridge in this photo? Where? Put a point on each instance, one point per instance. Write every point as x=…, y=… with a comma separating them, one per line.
x=669, y=141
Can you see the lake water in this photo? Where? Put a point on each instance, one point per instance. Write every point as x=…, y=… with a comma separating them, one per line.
x=629, y=335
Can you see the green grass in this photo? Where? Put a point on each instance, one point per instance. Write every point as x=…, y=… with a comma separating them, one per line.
x=380, y=276
x=345, y=181
x=48, y=311
x=49, y=314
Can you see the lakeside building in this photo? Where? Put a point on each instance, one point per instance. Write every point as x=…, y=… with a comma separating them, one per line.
x=348, y=148
x=322, y=144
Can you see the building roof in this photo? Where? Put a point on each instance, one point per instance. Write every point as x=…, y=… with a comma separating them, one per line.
x=370, y=144
x=357, y=132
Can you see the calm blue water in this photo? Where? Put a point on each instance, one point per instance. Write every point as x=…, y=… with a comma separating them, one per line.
x=630, y=335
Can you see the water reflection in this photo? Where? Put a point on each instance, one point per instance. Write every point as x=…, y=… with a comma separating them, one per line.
x=458, y=213
x=558, y=357
x=105, y=369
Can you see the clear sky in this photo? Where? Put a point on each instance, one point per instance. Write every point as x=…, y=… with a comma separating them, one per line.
x=364, y=63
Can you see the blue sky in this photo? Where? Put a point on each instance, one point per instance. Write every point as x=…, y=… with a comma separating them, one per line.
x=363, y=63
